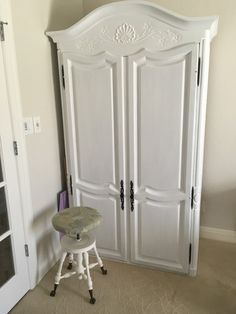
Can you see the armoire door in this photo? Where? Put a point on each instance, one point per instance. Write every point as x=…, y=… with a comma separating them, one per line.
x=95, y=122
x=162, y=100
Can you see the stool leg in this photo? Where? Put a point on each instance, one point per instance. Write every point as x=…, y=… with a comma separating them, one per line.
x=80, y=267
x=100, y=263
x=58, y=275
x=70, y=261
x=90, y=283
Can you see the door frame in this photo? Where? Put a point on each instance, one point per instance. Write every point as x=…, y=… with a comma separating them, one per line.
x=201, y=101
x=15, y=108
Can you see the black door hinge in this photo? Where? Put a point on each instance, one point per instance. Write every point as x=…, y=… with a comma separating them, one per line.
x=198, y=71
x=192, y=197
x=26, y=250
x=15, y=148
x=190, y=253
x=2, y=34
x=71, y=186
x=63, y=76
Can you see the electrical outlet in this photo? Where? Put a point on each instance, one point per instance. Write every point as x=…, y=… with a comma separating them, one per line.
x=37, y=124
x=28, y=125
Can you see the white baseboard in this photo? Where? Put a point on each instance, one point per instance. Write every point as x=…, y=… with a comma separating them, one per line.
x=218, y=234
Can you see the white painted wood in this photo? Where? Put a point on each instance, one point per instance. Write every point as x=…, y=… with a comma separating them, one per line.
x=79, y=248
x=199, y=149
x=162, y=90
x=133, y=111
x=95, y=115
x=18, y=284
x=66, y=125
x=218, y=234
x=9, y=54
x=123, y=28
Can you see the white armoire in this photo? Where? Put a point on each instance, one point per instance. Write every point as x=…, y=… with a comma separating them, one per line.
x=134, y=88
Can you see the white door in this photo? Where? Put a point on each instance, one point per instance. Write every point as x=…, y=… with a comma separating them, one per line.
x=14, y=281
x=95, y=135
x=162, y=101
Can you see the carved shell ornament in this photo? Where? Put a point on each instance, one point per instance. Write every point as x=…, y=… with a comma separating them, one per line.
x=126, y=34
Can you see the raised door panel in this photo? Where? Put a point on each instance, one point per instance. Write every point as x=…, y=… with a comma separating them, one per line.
x=160, y=124
x=166, y=235
x=162, y=107
x=94, y=119
x=94, y=124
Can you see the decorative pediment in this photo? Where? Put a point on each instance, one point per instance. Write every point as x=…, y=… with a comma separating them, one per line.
x=124, y=37
x=125, y=27
x=126, y=34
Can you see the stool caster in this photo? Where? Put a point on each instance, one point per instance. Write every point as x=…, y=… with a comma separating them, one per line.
x=92, y=299
x=104, y=271
x=53, y=292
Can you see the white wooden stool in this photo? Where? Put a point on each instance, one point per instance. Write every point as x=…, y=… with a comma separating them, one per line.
x=78, y=246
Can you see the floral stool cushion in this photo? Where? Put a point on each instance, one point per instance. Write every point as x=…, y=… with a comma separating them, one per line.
x=76, y=220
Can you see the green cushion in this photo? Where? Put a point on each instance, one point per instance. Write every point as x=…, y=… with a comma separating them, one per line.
x=76, y=220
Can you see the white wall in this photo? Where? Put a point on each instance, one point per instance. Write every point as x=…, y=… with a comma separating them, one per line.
x=89, y=5
x=219, y=179
x=38, y=79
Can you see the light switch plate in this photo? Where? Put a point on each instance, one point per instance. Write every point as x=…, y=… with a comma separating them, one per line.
x=28, y=125
x=37, y=124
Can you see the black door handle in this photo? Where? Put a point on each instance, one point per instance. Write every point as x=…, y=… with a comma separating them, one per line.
x=122, y=195
x=131, y=195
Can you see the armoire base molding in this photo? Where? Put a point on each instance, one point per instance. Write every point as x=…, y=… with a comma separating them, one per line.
x=218, y=234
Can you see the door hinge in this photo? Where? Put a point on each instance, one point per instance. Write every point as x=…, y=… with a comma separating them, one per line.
x=198, y=71
x=26, y=250
x=63, y=76
x=190, y=253
x=15, y=148
x=192, y=197
x=2, y=34
x=71, y=186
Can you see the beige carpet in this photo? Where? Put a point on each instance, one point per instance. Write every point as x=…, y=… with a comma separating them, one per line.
x=130, y=289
